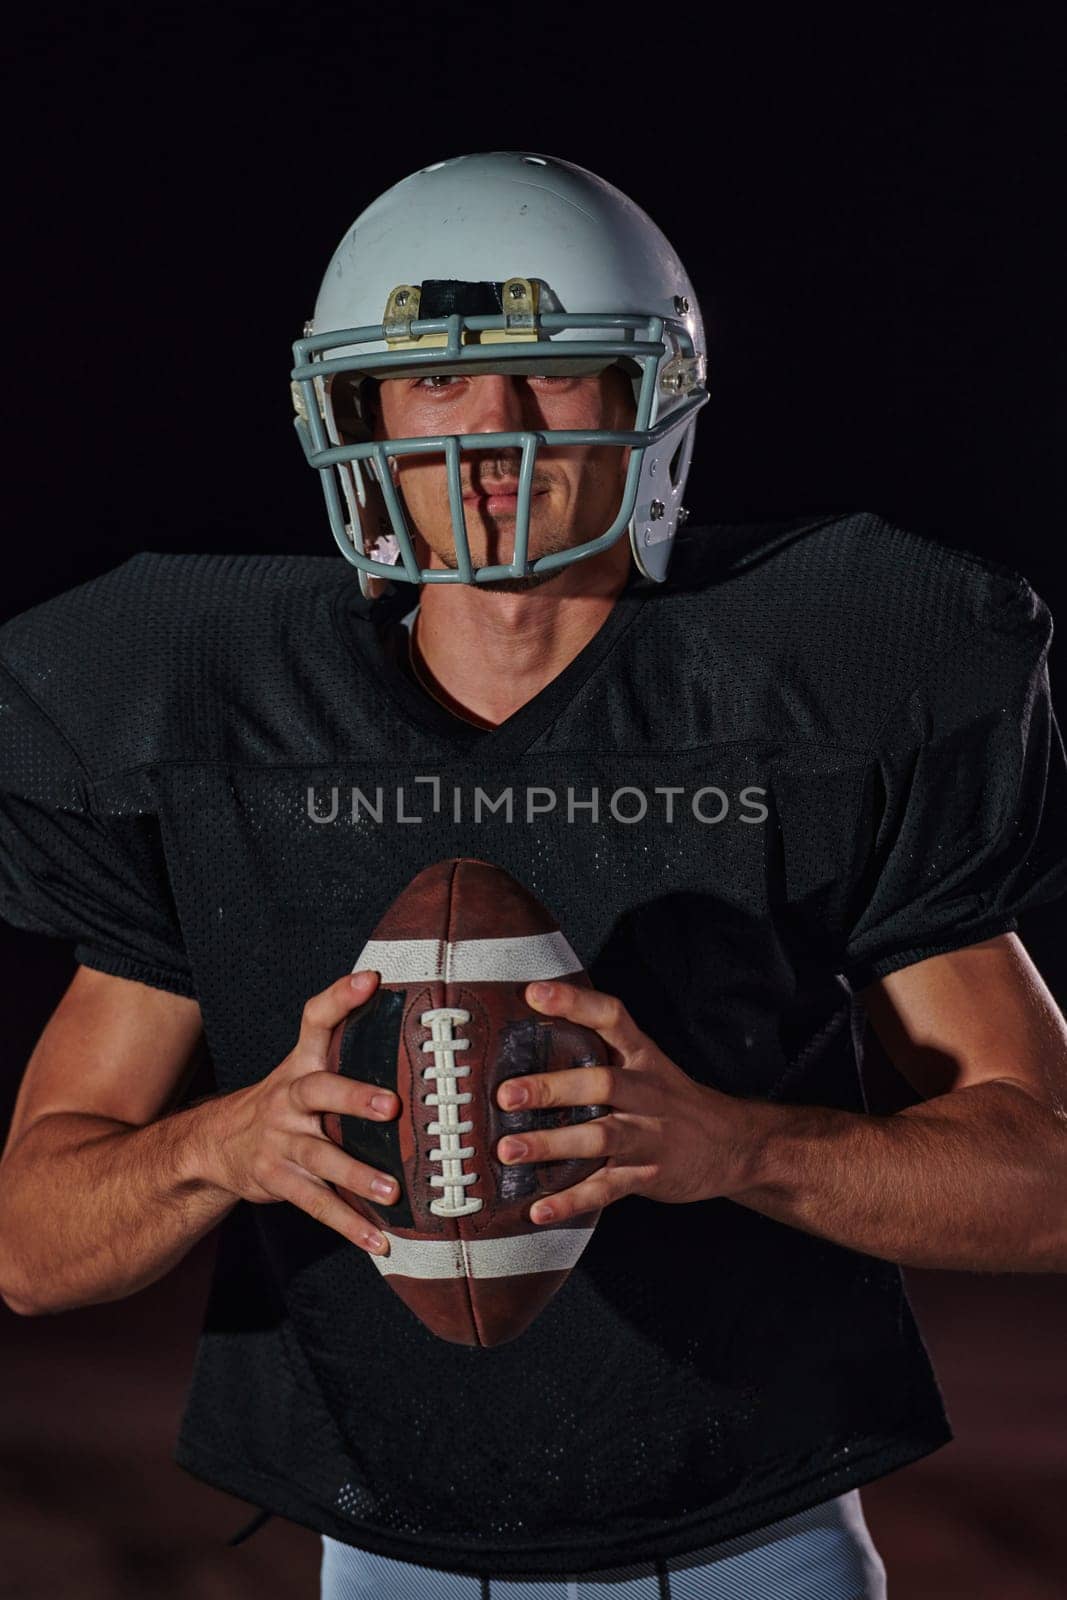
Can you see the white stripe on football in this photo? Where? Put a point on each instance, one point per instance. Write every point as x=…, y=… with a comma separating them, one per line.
x=516, y=960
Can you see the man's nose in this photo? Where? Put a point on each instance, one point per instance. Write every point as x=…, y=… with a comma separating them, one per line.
x=498, y=404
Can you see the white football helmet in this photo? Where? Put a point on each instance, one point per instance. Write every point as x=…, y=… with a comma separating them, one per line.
x=502, y=262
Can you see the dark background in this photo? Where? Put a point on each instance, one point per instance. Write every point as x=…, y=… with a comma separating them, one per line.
x=869, y=206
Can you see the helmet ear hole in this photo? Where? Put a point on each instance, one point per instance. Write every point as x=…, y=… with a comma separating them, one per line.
x=675, y=469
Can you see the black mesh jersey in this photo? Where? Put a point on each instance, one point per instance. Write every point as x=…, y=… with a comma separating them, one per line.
x=821, y=751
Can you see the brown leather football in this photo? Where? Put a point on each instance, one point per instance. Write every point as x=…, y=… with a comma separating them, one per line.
x=445, y=1027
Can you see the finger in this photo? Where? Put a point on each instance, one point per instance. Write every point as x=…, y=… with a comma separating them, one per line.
x=570, y=1086
x=330, y=1006
x=588, y=1140
x=326, y=1160
x=317, y=1092
x=318, y=1200
x=603, y=1013
x=592, y=1194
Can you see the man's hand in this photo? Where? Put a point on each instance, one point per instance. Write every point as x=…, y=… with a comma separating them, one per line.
x=268, y=1142
x=666, y=1137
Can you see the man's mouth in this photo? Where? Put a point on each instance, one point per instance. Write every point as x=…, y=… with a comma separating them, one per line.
x=497, y=499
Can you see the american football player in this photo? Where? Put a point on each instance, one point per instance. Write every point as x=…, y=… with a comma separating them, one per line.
x=786, y=785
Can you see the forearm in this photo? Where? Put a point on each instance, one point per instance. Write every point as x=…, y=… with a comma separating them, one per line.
x=93, y=1210
x=975, y=1180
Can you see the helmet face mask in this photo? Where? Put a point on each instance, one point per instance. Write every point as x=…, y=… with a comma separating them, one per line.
x=619, y=296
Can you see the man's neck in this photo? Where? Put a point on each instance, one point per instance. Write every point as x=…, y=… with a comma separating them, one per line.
x=484, y=654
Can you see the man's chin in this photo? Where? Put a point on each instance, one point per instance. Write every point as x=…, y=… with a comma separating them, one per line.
x=533, y=580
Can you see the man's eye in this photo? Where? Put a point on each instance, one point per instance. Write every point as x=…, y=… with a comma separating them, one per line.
x=435, y=382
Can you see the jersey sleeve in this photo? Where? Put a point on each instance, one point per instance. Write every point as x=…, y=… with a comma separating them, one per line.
x=966, y=798
x=98, y=881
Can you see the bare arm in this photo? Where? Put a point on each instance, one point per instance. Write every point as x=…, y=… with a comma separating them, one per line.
x=972, y=1178
x=77, y=1214
x=102, y=1193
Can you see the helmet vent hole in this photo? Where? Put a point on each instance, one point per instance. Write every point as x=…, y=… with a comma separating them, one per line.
x=676, y=463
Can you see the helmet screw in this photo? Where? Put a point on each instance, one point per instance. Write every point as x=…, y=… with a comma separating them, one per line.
x=402, y=298
x=656, y=510
x=683, y=516
x=516, y=291
x=309, y=328
x=681, y=304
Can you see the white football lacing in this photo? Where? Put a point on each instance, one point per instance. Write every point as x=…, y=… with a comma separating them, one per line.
x=453, y=1180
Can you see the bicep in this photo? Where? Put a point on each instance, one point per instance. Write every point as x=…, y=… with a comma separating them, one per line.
x=972, y=1016
x=112, y=1048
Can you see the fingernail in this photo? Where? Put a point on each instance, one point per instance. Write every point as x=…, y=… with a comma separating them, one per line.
x=382, y=1186
x=376, y=1241
x=382, y=1102
x=539, y=991
x=542, y=1214
x=510, y=1098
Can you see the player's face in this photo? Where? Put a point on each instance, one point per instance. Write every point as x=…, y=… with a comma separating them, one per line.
x=577, y=490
